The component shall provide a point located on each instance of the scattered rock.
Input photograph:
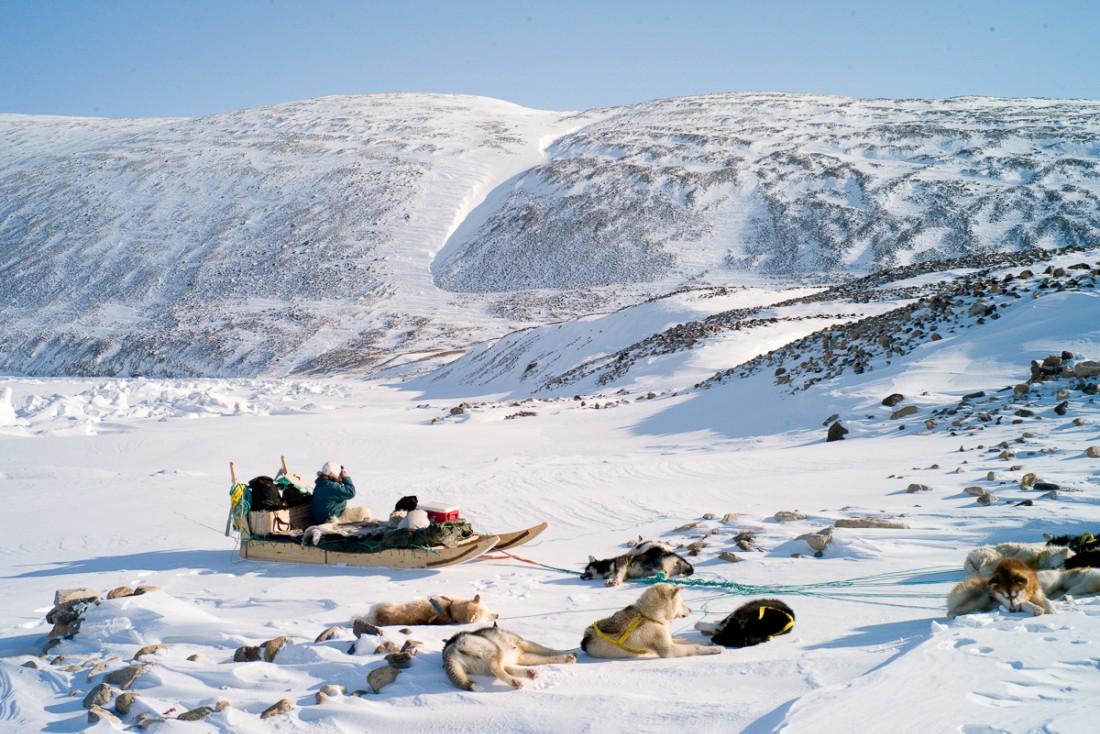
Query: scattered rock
(729, 517)
(975, 491)
(1093, 452)
(101, 666)
(914, 488)
(836, 433)
(904, 412)
(817, 541)
(272, 648)
(194, 658)
(362, 627)
(991, 476)
(222, 704)
(787, 516)
(729, 557)
(1045, 487)
(69, 597)
(891, 400)
(1022, 389)
(100, 695)
(98, 713)
(247, 654)
(1028, 480)
(871, 522)
(276, 709)
(119, 592)
(1062, 407)
(1025, 503)
(401, 660)
(328, 634)
(125, 677)
(198, 714)
(1086, 368)
(149, 650)
(145, 720)
(386, 647)
(684, 528)
(381, 677)
(125, 702)
(987, 499)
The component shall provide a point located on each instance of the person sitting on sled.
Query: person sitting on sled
(331, 493)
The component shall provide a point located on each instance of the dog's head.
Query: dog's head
(663, 603)
(680, 567)
(1013, 583)
(471, 611)
(598, 569)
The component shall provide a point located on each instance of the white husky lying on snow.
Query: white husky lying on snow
(982, 560)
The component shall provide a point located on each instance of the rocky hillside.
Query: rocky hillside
(366, 234)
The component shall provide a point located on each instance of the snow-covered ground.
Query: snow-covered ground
(125, 482)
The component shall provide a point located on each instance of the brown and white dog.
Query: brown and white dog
(1012, 584)
(432, 610)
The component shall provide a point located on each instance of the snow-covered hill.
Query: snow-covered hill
(368, 234)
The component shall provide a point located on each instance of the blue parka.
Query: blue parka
(330, 498)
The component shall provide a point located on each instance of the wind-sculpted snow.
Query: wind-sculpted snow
(352, 234)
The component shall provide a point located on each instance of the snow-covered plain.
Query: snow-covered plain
(125, 482)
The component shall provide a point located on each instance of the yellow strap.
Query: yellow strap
(619, 643)
(790, 620)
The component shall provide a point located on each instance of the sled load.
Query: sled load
(274, 524)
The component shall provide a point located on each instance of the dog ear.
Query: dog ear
(592, 559)
(477, 598)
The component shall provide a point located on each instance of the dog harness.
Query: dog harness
(786, 627)
(621, 642)
(440, 612)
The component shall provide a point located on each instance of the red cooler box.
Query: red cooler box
(439, 513)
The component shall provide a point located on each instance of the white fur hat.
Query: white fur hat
(331, 468)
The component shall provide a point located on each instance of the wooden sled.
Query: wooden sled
(280, 551)
(519, 537)
(257, 549)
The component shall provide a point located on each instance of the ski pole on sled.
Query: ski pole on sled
(229, 520)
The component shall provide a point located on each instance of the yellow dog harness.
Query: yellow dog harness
(787, 627)
(621, 642)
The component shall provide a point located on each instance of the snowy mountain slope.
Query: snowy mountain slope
(293, 237)
(362, 234)
(870, 646)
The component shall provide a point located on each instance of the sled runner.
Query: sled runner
(279, 536)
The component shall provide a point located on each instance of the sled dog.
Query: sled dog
(1012, 584)
(496, 652)
(750, 624)
(643, 561)
(432, 610)
(643, 628)
(982, 560)
(1085, 547)
(1069, 582)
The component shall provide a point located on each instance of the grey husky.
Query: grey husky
(643, 561)
(496, 652)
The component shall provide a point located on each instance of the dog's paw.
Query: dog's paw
(612, 582)
(516, 683)
(532, 673)
(713, 650)
(570, 659)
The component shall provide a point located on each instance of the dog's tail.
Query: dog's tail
(454, 668)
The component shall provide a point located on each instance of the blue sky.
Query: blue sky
(160, 58)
